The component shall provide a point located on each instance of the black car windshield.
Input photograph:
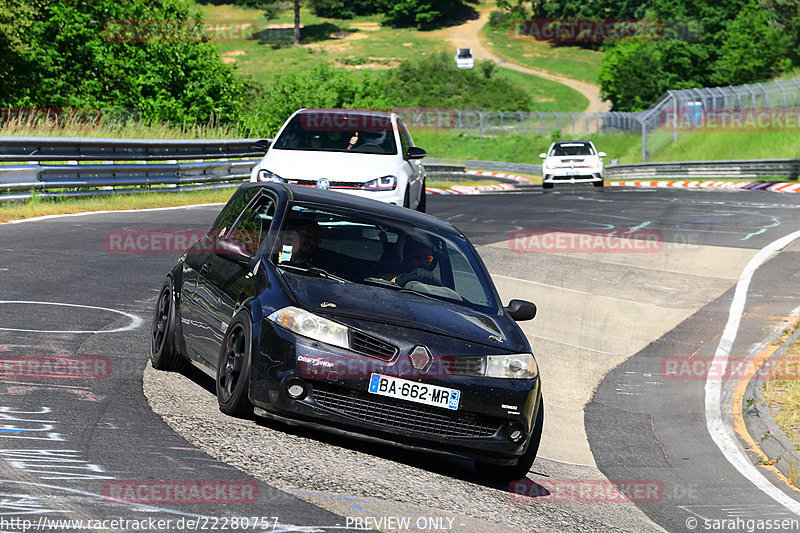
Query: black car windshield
(330, 131)
(340, 243)
(572, 149)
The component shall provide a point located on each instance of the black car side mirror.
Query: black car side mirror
(233, 251)
(262, 145)
(521, 310)
(415, 152)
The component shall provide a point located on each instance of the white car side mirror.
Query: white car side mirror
(542, 155)
(601, 154)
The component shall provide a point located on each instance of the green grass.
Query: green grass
(626, 147)
(547, 95)
(359, 43)
(39, 206)
(783, 396)
(570, 61)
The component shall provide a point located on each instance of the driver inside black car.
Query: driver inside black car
(418, 264)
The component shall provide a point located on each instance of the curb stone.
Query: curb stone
(758, 419)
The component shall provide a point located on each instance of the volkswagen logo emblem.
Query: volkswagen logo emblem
(323, 183)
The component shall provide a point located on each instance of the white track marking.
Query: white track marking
(721, 433)
(578, 291)
(135, 320)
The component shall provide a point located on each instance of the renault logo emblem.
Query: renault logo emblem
(420, 358)
(323, 183)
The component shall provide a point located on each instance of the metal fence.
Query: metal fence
(59, 166)
(771, 105)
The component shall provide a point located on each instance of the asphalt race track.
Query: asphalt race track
(86, 442)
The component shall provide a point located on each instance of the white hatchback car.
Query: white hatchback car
(572, 162)
(364, 153)
(464, 58)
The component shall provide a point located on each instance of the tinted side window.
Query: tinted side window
(405, 137)
(231, 211)
(254, 224)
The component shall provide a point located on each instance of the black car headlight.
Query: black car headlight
(268, 175)
(384, 183)
(312, 326)
(513, 366)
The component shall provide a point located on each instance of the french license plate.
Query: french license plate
(414, 391)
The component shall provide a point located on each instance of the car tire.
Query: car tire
(547, 185)
(598, 184)
(407, 197)
(423, 199)
(233, 369)
(523, 466)
(164, 354)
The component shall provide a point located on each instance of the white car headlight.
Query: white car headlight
(514, 366)
(312, 326)
(267, 175)
(384, 183)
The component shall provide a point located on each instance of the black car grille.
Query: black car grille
(369, 345)
(399, 414)
(465, 366)
(334, 184)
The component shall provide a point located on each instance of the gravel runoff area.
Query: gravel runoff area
(356, 479)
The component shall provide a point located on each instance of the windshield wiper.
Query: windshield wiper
(319, 272)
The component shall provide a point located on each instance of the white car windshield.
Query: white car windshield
(357, 133)
(572, 149)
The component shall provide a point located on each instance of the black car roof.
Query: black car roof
(300, 193)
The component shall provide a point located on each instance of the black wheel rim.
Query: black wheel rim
(161, 321)
(232, 363)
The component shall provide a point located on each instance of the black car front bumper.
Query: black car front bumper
(336, 400)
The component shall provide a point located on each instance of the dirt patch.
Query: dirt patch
(349, 35)
(366, 26)
(230, 57)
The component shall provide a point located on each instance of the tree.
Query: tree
(141, 54)
(272, 8)
(752, 50)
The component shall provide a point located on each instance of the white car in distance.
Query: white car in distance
(464, 58)
(364, 153)
(572, 162)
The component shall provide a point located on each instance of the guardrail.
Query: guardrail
(757, 168)
(62, 166)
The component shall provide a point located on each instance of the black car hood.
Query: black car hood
(403, 308)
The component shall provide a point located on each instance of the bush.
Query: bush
(78, 55)
(435, 81)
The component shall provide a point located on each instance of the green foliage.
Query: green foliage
(344, 9)
(705, 43)
(434, 81)
(426, 14)
(635, 74)
(323, 86)
(752, 50)
(82, 55)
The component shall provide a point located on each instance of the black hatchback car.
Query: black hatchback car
(357, 317)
